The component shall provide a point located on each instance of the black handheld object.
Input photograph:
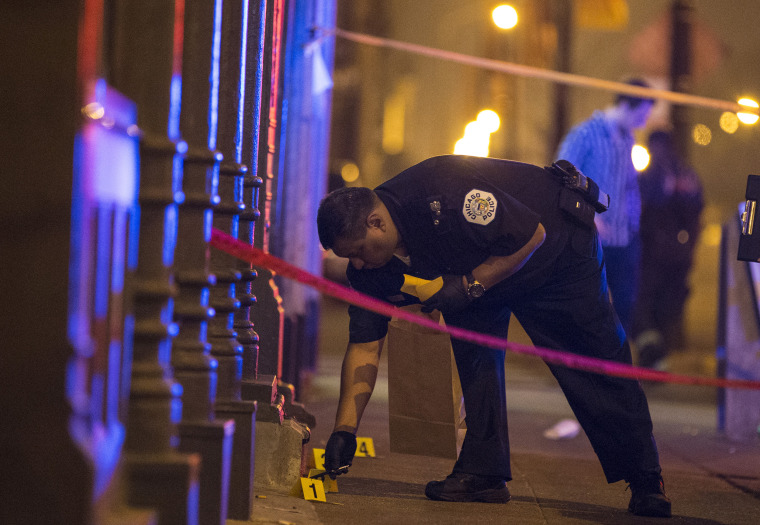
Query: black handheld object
(749, 241)
(452, 297)
(332, 473)
(339, 453)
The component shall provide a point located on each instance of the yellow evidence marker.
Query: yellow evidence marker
(318, 457)
(310, 489)
(331, 485)
(365, 448)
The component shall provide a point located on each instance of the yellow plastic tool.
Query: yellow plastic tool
(421, 288)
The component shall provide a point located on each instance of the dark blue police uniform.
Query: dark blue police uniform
(453, 212)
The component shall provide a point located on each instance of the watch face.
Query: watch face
(476, 290)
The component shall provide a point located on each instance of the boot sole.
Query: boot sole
(659, 509)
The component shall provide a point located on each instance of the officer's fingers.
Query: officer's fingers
(347, 456)
(332, 460)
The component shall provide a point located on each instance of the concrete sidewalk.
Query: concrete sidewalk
(709, 479)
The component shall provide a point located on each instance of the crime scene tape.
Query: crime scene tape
(248, 253)
(536, 72)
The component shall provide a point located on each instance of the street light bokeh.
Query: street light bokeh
(504, 16)
(701, 134)
(748, 118)
(640, 157)
(477, 134)
(349, 172)
(729, 122)
(489, 119)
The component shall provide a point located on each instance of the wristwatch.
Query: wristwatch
(475, 289)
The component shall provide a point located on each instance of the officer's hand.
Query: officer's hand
(452, 297)
(339, 452)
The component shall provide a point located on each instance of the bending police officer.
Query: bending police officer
(496, 232)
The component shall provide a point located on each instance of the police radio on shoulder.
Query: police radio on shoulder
(574, 179)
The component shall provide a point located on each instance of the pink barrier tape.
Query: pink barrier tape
(241, 250)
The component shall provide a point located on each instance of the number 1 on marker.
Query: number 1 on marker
(313, 489)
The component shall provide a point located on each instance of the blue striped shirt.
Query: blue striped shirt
(602, 150)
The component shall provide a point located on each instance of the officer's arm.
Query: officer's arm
(497, 268)
(357, 381)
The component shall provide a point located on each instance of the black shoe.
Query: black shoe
(648, 497)
(468, 487)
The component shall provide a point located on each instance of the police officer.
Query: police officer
(496, 232)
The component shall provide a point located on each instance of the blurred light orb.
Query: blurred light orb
(475, 128)
(701, 134)
(349, 172)
(461, 147)
(94, 111)
(640, 157)
(477, 131)
(470, 146)
(489, 119)
(729, 122)
(504, 16)
(748, 118)
(477, 135)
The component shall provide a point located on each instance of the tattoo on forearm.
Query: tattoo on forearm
(361, 386)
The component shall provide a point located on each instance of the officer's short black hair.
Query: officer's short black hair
(342, 214)
(631, 100)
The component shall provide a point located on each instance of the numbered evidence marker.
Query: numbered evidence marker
(310, 489)
(365, 447)
(331, 485)
(318, 458)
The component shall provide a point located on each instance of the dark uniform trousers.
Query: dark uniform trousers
(571, 312)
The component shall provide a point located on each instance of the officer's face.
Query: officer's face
(373, 251)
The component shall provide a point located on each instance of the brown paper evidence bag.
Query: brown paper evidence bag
(425, 406)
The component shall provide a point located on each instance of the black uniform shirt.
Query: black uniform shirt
(453, 212)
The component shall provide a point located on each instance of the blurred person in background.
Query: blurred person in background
(600, 147)
(671, 205)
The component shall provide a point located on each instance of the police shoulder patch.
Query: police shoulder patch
(479, 207)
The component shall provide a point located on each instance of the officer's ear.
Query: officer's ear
(376, 220)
